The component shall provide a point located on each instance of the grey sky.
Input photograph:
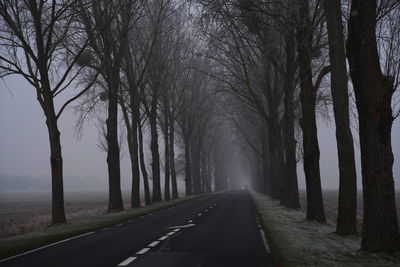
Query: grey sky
(24, 147)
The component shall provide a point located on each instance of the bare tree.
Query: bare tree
(304, 36)
(347, 210)
(373, 92)
(33, 37)
(108, 51)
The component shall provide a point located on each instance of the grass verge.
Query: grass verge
(19, 244)
(297, 242)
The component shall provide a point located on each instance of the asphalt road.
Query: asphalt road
(214, 230)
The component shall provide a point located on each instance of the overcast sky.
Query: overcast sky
(24, 146)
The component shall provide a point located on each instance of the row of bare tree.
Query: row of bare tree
(273, 62)
(135, 67)
(203, 75)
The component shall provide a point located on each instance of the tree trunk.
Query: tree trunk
(154, 152)
(258, 173)
(220, 177)
(56, 162)
(135, 194)
(347, 211)
(188, 174)
(274, 168)
(196, 166)
(114, 174)
(373, 93)
(172, 159)
(276, 145)
(203, 161)
(167, 158)
(208, 175)
(267, 170)
(135, 198)
(290, 197)
(147, 197)
(315, 206)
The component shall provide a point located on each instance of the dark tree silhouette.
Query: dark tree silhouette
(373, 92)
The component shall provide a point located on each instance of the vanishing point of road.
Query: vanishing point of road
(215, 230)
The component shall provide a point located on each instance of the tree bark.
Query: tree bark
(273, 175)
(373, 93)
(135, 194)
(114, 176)
(196, 149)
(172, 159)
(167, 158)
(56, 162)
(188, 174)
(147, 197)
(208, 188)
(347, 211)
(315, 206)
(154, 152)
(290, 192)
(203, 161)
(267, 169)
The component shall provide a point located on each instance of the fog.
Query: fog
(25, 148)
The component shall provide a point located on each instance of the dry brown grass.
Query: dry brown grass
(26, 212)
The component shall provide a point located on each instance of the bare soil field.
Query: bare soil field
(22, 212)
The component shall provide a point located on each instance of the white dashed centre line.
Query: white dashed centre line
(153, 244)
(199, 214)
(176, 230)
(190, 221)
(142, 251)
(163, 237)
(127, 261)
(171, 233)
(206, 210)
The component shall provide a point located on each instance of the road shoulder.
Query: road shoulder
(297, 242)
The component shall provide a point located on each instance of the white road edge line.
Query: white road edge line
(153, 244)
(190, 221)
(264, 240)
(127, 261)
(142, 251)
(46, 246)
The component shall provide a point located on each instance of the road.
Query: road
(214, 230)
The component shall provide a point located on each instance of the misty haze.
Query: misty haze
(199, 133)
